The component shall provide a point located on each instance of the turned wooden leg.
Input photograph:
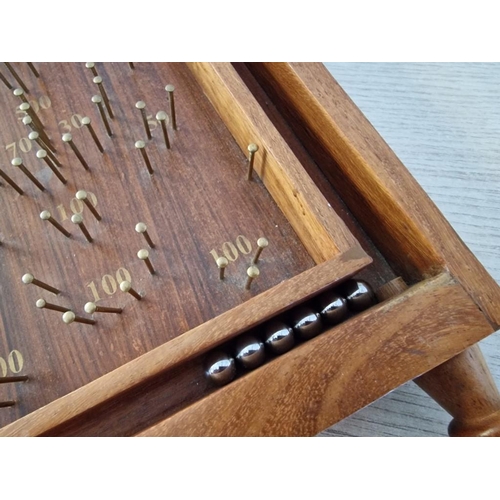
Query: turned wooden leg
(464, 387)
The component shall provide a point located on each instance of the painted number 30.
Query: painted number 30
(14, 363)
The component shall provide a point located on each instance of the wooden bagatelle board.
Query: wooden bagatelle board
(144, 368)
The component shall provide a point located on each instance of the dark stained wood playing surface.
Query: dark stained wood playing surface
(196, 200)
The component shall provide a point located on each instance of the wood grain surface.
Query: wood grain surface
(443, 121)
(197, 199)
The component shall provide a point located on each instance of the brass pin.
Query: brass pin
(222, 263)
(91, 308)
(126, 286)
(46, 215)
(142, 228)
(261, 244)
(20, 93)
(91, 66)
(28, 279)
(97, 99)
(16, 77)
(35, 136)
(5, 404)
(31, 113)
(140, 145)
(18, 378)
(102, 90)
(78, 220)
(45, 138)
(6, 82)
(141, 105)
(7, 179)
(70, 317)
(144, 255)
(252, 273)
(33, 69)
(42, 154)
(161, 116)
(68, 138)
(18, 162)
(87, 123)
(82, 195)
(170, 89)
(252, 149)
(131, 65)
(42, 304)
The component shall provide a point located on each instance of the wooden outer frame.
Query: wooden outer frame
(342, 370)
(322, 232)
(388, 202)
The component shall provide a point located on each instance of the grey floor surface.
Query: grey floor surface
(443, 121)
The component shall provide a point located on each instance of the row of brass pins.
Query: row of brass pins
(69, 316)
(76, 218)
(253, 270)
(143, 254)
(97, 79)
(161, 117)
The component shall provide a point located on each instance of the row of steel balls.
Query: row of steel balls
(277, 337)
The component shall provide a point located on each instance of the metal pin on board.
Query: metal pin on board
(33, 69)
(68, 138)
(28, 279)
(97, 99)
(70, 317)
(83, 196)
(126, 286)
(261, 244)
(9, 380)
(91, 308)
(42, 304)
(252, 273)
(42, 154)
(143, 254)
(78, 220)
(170, 89)
(140, 227)
(46, 215)
(16, 77)
(18, 162)
(141, 106)
(252, 149)
(161, 117)
(222, 263)
(102, 90)
(141, 145)
(20, 93)
(86, 121)
(91, 66)
(7, 179)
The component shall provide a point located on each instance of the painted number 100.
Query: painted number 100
(232, 250)
(109, 284)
